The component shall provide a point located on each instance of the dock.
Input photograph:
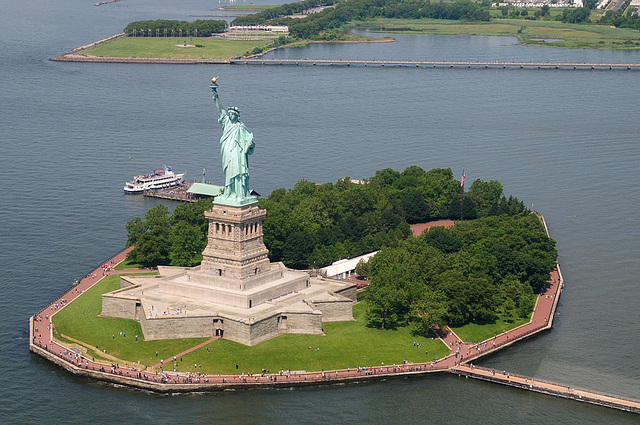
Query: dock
(546, 387)
(174, 193)
(439, 64)
(100, 3)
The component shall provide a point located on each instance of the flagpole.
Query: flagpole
(462, 198)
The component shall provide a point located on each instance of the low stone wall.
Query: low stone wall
(304, 323)
(154, 383)
(119, 307)
(338, 310)
(173, 327)
(349, 292)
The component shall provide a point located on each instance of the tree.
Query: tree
(136, 227)
(414, 206)
(443, 240)
(297, 249)
(157, 216)
(429, 312)
(386, 299)
(485, 195)
(463, 274)
(576, 16)
(152, 248)
(187, 244)
(151, 237)
(545, 10)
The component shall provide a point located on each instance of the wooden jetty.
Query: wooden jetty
(438, 64)
(100, 3)
(174, 193)
(545, 387)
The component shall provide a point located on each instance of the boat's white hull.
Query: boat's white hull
(133, 188)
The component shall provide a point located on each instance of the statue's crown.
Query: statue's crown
(234, 109)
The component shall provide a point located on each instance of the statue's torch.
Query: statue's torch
(214, 84)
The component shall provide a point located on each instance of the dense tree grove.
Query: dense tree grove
(575, 16)
(314, 225)
(491, 263)
(620, 19)
(471, 272)
(197, 28)
(344, 12)
(176, 240)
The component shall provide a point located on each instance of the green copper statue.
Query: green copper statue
(236, 144)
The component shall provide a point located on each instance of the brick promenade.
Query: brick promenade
(41, 342)
(461, 353)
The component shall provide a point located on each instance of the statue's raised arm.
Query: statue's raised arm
(236, 144)
(216, 98)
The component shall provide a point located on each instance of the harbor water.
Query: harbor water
(563, 141)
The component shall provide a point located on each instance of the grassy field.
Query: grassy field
(80, 321)
(345, 344)
(568, 35)
(170, 47)
(476, 333)
(126, 265)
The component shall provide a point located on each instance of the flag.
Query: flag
(462, 179)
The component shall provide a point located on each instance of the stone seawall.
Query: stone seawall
(42, 343)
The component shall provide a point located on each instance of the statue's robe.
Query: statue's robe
(236, 143)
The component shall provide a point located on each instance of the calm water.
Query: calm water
(566, 142)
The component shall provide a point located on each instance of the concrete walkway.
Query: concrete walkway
(209, 341)
(42, 342)
(545, 387)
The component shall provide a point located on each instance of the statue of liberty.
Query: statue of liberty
(236, 144)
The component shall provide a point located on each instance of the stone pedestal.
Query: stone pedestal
(235, 247)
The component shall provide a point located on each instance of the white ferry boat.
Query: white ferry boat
(156, 180)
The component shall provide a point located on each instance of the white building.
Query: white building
(343, 269)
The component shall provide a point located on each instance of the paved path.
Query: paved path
(460, 352)
(458, 361)
(209, 341)
(433, 63)
(419, 228)
(546, 387)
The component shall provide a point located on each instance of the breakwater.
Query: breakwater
(439, 64)
(74, 56)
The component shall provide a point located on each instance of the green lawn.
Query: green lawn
(570, 35)
(79, 320)
(126, 265)
(476, 333)
(345, 344)
(169, 47)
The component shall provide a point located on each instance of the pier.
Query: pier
(546, 387)
(100, 3)
(173, 193)
(75, 56)
(439, 64)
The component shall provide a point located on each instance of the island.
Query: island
(601, 25)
